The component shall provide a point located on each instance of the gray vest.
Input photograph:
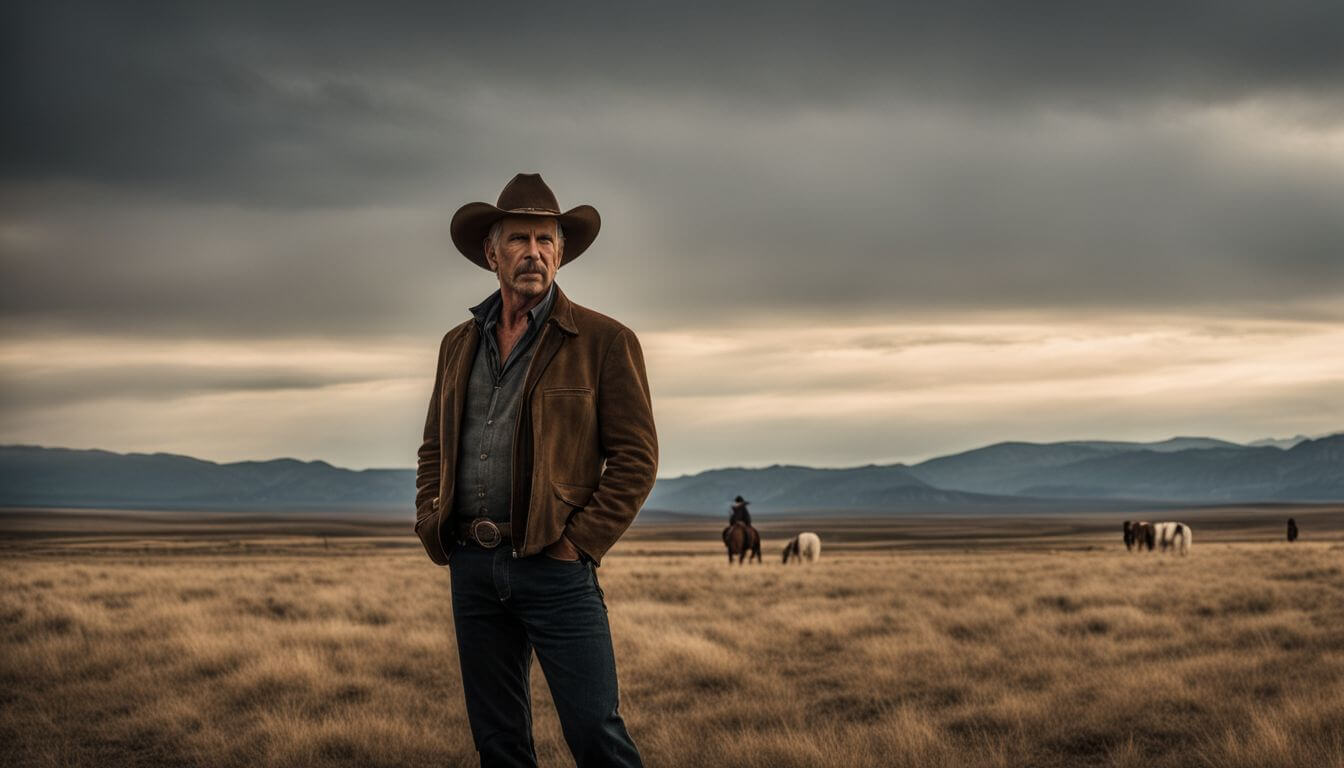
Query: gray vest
(490, 414)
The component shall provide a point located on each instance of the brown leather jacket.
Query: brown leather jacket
(585, 450)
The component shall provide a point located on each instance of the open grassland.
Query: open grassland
(933, 643)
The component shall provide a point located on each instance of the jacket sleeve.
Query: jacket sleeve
(629, 444)
(427, 465)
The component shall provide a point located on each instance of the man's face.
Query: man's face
(528, 255)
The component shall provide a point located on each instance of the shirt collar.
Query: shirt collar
(487, 312)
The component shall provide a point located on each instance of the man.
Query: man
(539, 449)
(739, 512)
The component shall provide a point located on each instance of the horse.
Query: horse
(1292, 529)
(806, 546)
(1173, 536)
(740, 539)
(1139, 535)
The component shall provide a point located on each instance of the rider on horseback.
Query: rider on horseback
(751, 540)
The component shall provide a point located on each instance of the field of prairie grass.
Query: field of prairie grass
(941, 649)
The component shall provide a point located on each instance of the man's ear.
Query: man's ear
(489, 255)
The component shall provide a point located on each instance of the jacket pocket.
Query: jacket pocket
(574, 495)
(573, 391)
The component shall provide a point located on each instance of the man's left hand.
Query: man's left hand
(562, 549)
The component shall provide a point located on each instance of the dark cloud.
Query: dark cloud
(86, 260)
(938, 215)
(38, 388)
(256, 170)
(320, 103)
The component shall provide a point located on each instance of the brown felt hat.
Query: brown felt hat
(525, 195)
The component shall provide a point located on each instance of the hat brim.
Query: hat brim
(471, 224)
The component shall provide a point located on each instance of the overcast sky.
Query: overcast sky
(855, 234)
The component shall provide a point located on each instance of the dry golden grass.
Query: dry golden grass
(276, 652)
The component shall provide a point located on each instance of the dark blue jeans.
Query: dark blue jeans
(504, 608)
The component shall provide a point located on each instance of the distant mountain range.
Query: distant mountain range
(1182, 469)
(36, 476)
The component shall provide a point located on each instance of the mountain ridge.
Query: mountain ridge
(1183, 468)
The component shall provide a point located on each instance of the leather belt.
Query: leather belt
(484, 532)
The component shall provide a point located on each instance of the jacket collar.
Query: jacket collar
(561, 311)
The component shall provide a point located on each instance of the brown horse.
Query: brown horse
(741, 538)
(1140, 535)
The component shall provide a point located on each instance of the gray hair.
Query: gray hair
(497, 231)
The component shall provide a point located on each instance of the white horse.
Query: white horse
(1173, 535)
(805, 547)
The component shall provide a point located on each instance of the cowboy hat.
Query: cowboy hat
(525, 195)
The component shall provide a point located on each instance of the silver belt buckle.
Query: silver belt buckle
(485, 532)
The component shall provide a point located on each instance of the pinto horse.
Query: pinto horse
(805, 547)
(1165, 536)
(1173, 536)
(740, 539)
